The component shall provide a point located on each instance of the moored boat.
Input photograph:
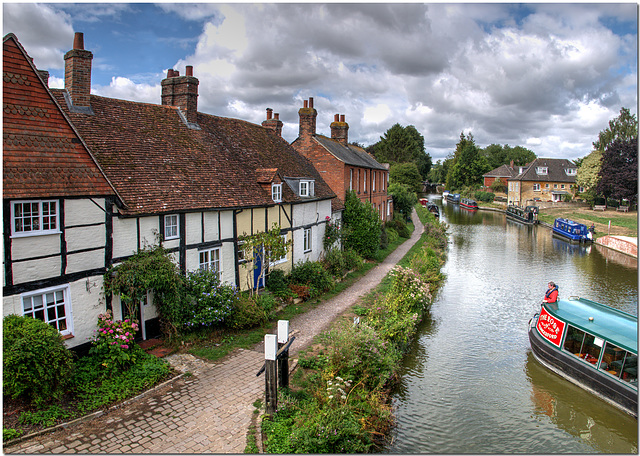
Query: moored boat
(468, 203)
(527, 215)
(424, 202)
(571, 230)
(453, 198)
(592, 345)
(433, 209)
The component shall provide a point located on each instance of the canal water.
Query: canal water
(470, 384)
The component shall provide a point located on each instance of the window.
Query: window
(307, 240)
(583, 345)
(620, 363)
(283, 258)
(210, 260)
(546, 185)
(571, 171)
(30, 218)
(542, 170)
(388, 208)
(351, 179)
(364, 181)
(171, 226)
(276, 192)
(555, 185)
(241, 255)
(51, 306)
(562, 186)
(536, 187)
(373, 180)
(312, 188)
(307, 188)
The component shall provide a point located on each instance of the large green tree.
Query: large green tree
(402, 145)
(498, 155)
(468, 164)
(624, 127)
(406, 174)
(619, 171)
(588, 172)
(362, 226)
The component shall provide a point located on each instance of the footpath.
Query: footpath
(209, 408)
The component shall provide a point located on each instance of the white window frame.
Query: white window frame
(170, 235)
(571, 171)
(276, 193)
(209, 262)
(388, 208)
(350, 178)
(364, 181)
(307, 243)
(536, 187)
(66, 300)
(282, 259)
(304, 188)
(40, 217)
(542, 170)
(241, 253)
(312, 188)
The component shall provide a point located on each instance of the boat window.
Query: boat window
(582, 345)
(620, 363)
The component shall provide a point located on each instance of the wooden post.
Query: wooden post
(270, 374)
(283, 361)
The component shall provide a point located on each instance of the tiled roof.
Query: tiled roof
(158, 164)
(556, 171)
(42, 154)
(349, 154)
(502, 171)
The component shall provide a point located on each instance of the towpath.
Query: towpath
(210, 409)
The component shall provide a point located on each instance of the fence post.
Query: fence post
(283, 360)
(270, 374)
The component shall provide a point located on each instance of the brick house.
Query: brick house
(142, 174)
(342, 165)
(545, 179)
(503, 172)
(57, 207)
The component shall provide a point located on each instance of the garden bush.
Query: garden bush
(339, 262)
(277, 283)
(362, 226)
(36, 364)
(208, 302)
(313, 274)
(400, 226)
(113, 343)
(485, 197)
(247, 313)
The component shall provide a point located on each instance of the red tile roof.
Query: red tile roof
(158, 164)
(42, 154)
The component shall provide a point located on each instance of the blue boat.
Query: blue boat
(592, 345)
(571, 230)
(453, 198)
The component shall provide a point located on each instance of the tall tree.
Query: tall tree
(623, 127)
(619, 171)
(589, 170)
(406, 174)
(396, 146)
(423, 161)
(503, 155)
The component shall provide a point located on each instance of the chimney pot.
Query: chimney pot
(78, 40)
(342, 118)
(269, 112)
(276, 116)
(305, 104)
(311, 102)
(189, 70)
(336, 117)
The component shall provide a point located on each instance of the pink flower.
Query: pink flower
(111, 331)
(124, 346)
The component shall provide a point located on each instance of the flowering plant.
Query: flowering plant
(332, 233)
(410, 290)
(113, 342)
(209, 302)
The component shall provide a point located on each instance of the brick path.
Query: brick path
(209, 411)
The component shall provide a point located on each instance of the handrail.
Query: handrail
(283, 349)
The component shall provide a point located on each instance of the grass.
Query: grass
(622, 223)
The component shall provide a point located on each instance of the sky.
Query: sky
(544, 76)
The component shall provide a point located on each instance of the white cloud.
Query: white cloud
(124, 88)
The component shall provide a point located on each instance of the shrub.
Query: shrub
(362, 226)
(384, 238)
(332, 234)
(427, 263)
(409, 291)
(485, 197)
(393, 326)
(208, 302)
(113, 343)
(267, 302)
(404, 198)
(392, 234)
(36, 364)
(338, 262)
(400, 226)
(352, 260)
(313, 274)
(277, 282)
(246, 313)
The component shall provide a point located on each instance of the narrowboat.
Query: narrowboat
(433, 209)
(468, 203)
(592, 345)
(453, 198)
(424, 202)
(528, 215)
(571, 230)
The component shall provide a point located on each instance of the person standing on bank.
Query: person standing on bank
(552, 293)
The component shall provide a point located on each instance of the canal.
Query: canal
(470, 383)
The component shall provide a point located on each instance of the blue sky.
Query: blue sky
(545, 76)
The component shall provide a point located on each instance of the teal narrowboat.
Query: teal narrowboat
(592, 345)
(528, 215)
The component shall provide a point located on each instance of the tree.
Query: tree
(498, 155)
(362, 226)
(623, 127)
(268, 245)
(438, 173)
(407, 174)
(403, 199)
(469, 164)
(589, 173)
(619, 171)
(423, 160)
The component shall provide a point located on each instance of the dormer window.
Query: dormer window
(542, 170)
(307, 188)
(276, 193)
(571, 171)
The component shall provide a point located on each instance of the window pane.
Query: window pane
(27, 306)
(51, 314)
(630, 369)
(37, 302)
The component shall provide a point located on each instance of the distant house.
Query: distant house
(192, 181)
(342, 165)
(58, 207)
(545, 179)
(503, 172)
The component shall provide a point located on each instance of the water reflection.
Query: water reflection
(469, 384)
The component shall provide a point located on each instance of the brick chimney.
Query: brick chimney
(340, 129)
(274, 124)
(77, 72)
(182, 92)
(307, 120)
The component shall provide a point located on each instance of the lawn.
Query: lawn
(622, 223)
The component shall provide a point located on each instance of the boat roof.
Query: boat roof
(569, 222)
(616, 326)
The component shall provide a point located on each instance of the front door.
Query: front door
(258, 275)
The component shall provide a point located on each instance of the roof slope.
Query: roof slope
(349, 154)
(556, 171)
(158, 164)
(502, 171)
(43, 156)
